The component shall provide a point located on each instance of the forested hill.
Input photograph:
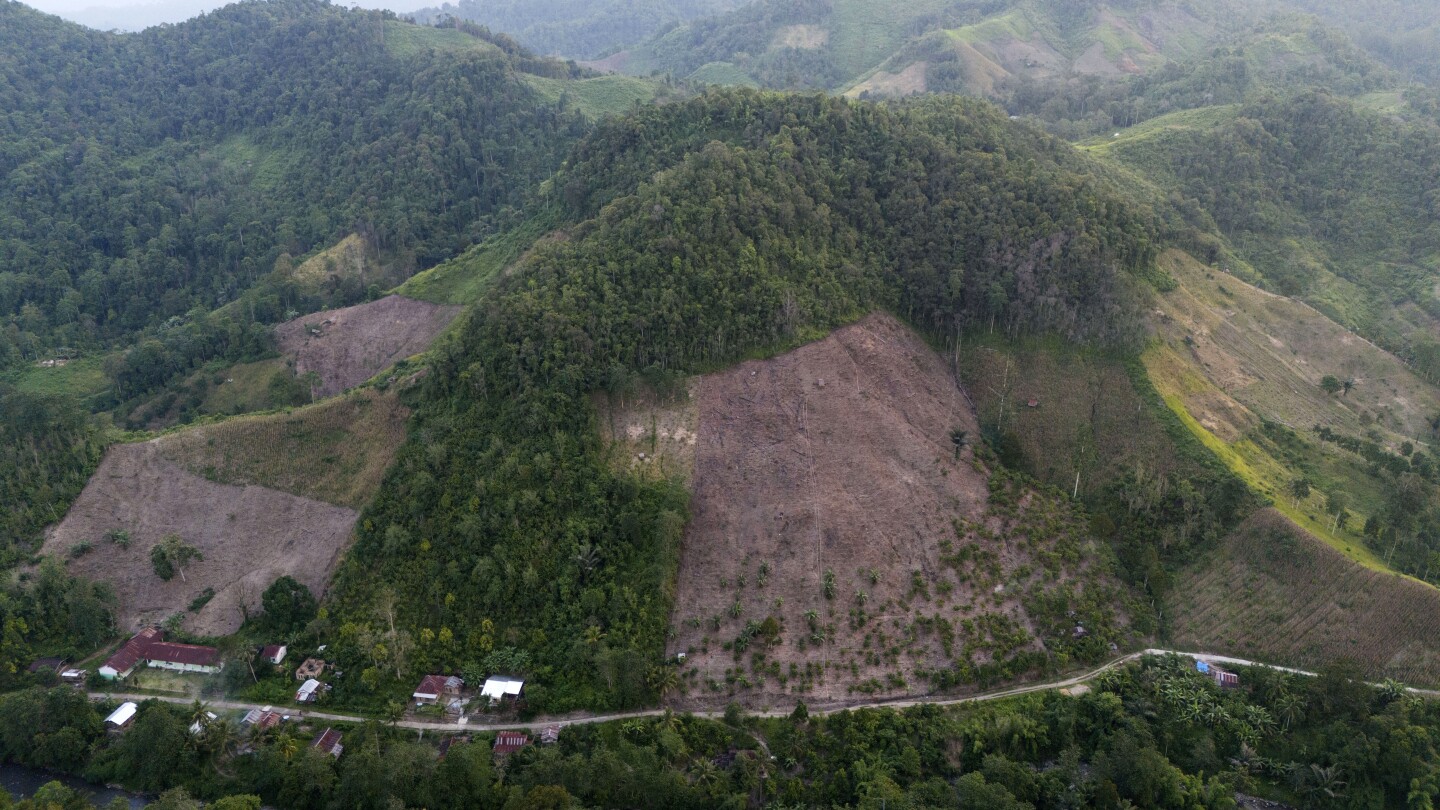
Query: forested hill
(155, 189)
(735, 224)
(145, 175)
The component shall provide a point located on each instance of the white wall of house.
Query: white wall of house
(184, 667)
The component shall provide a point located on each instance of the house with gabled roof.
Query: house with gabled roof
(329, 742)
(433, 687)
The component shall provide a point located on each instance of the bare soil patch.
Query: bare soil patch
(828, 502)
(907, 82)
(346, 347)
(1274, 592)
(801, 37)
(1269, 353)
(249, 535)
(614, 63)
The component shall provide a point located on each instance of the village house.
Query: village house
(499, 687)
(273, 653)
(130, 655)
(433, 687)
(121, 717)
(149, 647)
(1221, 677)
(329, 742)
(199, 726)
(263, 718)
(508, 742)
(309, 691)
(550, 735)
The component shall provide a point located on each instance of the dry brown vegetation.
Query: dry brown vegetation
(1269, 353)
(346, 347)
(838, 547)
(249, 536)
(1087, 417)
(1275, 593)
(906, 82)
(336, 451)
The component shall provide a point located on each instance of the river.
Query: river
(22, 782)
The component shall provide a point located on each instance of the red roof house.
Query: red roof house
(508, 742)
(125, 659)
(433, 686)
(329, 742)
(183, 657)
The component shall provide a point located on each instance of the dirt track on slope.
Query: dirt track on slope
(249, 535)
(346, 347)
(834, 457)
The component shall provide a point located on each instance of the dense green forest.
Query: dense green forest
(1153, 734)
(573, 28)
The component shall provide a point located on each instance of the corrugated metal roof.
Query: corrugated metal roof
(122, 715)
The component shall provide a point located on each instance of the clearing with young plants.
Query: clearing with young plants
(846, 542)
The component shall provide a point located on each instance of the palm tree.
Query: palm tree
(221, 738)
(664, 680)
(287, 746)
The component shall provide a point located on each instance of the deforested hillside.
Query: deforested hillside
(732, 225)
(259, 497)
(1276, 593)
(1324, 199)
(168, 196)
(841, 544)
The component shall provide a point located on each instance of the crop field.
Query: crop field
(80, 378)
(1275, 593)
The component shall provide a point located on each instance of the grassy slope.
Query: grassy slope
(595, 97)
(1277, 594)
(80, 378)
(1088, 416)
(404, 39)
(465, 278)
(336, 451)
(1254, 355)
(865, 32)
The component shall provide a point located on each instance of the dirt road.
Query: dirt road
(581, 719)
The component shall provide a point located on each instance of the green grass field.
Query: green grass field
(405, 40)
(243, 388)
(336, 451)
(463, 279)
(722, 73)
(80, 378)
(595, 97)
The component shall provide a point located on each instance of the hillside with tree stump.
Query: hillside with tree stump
(846, 542)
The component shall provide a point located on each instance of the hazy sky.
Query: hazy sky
(136, 14)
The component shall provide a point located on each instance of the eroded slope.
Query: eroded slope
(346, 347)
(248, 535)
(838, 545)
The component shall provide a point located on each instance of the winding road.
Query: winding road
(579, 719)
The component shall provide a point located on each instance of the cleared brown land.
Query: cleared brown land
(906, 82)
(346, 347)
(1269, 353)
(249, 535)
(336, 451)
(1275, 593)
(835, 462)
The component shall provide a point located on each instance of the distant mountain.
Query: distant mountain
(870, 46)
(576, 28)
